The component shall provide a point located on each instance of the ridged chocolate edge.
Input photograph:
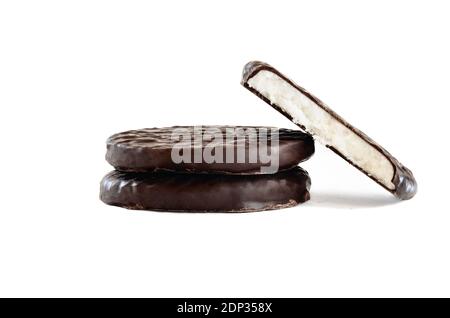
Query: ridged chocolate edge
(403, 179)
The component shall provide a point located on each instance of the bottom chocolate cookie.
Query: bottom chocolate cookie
(205, 192)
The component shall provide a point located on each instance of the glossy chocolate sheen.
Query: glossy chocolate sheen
(149, 149)
(205, 192)
(403, 179)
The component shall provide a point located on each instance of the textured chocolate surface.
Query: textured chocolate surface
(149, 149)
(205, 192)
(403, 179)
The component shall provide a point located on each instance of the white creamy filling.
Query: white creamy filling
(323, 126)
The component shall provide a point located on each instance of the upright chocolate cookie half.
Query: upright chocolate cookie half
(209, 149)
(205, 192)
(316, 118)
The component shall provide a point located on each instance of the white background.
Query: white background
(74, 72)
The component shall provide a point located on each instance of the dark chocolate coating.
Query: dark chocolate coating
(403, 179)
(149, 149)
(205, 192)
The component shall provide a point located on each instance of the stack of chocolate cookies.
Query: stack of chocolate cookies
(242, 169)
(207, 169)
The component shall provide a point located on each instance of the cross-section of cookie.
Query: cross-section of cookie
(317, 119)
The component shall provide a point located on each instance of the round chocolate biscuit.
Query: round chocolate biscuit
(209, 149)
(205, 192)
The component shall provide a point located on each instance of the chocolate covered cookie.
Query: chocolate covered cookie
(205, 192)
(209, 149)
(316, 118)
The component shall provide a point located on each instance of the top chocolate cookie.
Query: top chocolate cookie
(209, 149)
